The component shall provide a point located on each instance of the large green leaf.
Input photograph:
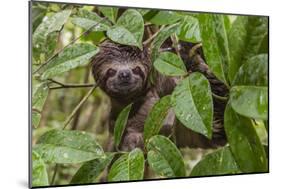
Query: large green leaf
(45, 36)
(215, 43)
(245, 40)
(76, 55)
(189, 30)
(161, 37)
(193, 104)
(170, 64)
(38, 13)
(164, 157)
(39, 171)
(220, 162)
(128, 30)
(120, 124)
(87, 19)
(165, 18)
(244, 142)
(91, 170)
(129, 166)
(156, 116)
(249, 96)
(250, 101)
(65, 146)
(109, 12)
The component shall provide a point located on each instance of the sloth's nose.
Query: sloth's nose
(124, 75)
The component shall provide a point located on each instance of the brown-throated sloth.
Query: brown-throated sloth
(122, 72)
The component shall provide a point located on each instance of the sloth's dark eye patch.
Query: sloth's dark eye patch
(137, 70)
(110, 72)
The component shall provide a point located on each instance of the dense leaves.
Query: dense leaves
(244, 142)
(129, 166)
(76, 55)
(157, 115)
(91, 170)
(217, 163)
(193, 104)
(129, 29)
(120, 124)
(39, 171)
(215, 44)
(110, 13)
(62, 146)
(170, 64)
(164, 157)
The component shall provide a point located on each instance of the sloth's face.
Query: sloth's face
(122, 79)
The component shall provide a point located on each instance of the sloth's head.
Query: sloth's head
(121, 70)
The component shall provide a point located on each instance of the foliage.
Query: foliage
(64, 40)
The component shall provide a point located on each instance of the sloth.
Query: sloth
(122, 72)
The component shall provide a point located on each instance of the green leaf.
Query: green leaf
(129, 166)
(120, 124)
(109, 12)
(36, 116)
(164, 157)
(128, 30)
(250, 101)
(76, 55)
(245, 40)
(193, 104)
(91, 170)
(189, 30)
(65, 146)
(170, 64)
(38, 13)
(39, 171)
(87, 19)
(161, 37)
(254, 72)
(156, 116)
(215, 44)
(244, 142)
(220, 162)
(47, 32)
(249, 96)
(165, 18)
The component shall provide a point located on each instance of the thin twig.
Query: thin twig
(149, 40)
(223, 98)
(68, 85)
(73, 41)
(55, 173)
(193, 49)
(176, 44)
(70, 117)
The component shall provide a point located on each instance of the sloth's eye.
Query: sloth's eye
(137, 70)
(110, 72)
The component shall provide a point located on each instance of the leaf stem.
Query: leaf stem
(222, 98)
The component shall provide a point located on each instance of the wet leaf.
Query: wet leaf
(193, 104)
(245, 40)
(120, 124)
(128, 30)
(39, 171)
(215, 44)
(44, 38)
(249, 96)
(91, 170)
(165, 18)
(109, 12)
(220, 162)
(76, 55)
(161, 37)
(170, 64)
(156, 116)
(87, 19)
(67, 146)
(244, 142)
(164, 157)
(129, 166)
(250, 101)
(189, 30)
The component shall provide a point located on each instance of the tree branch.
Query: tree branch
(73, 41)
(149, 40)
(67, 86)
